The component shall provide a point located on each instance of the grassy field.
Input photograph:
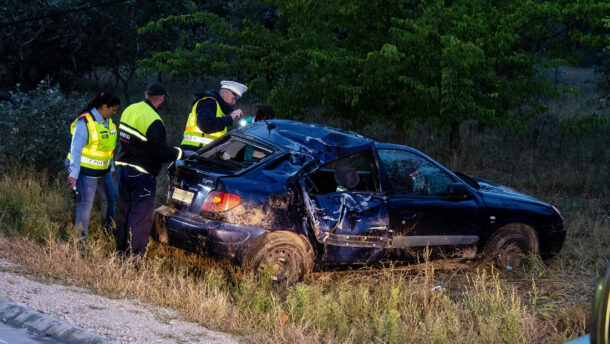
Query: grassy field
(542, 302)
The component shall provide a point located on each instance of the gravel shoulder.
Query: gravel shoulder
(120, 320)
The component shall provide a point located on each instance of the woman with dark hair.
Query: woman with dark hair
(90, 158)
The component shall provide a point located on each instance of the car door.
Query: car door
(348, 212)
(422, 210)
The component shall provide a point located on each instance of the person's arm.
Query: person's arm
(79, 141)
(157, 143)
(207, 120)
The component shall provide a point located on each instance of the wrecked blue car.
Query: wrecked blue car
(295, 197)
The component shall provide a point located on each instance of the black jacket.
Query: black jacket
(206, 113)
(147, 154)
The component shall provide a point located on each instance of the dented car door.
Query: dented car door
(348, 211)
(353, 226)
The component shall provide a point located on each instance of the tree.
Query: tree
(67, 41)
(435, 61)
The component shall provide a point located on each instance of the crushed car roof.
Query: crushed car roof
(325, 143)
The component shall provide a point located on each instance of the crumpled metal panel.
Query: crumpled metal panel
(351, 213)
(346, 213)
(324, 143)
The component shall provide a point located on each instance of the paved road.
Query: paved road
(13, 334)
(21, 325)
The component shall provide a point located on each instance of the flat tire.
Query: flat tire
(510, 244)
(286, 255)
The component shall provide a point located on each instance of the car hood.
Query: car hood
(492, 192)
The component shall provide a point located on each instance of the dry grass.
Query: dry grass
(545, 302)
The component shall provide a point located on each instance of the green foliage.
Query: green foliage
(584, 125)
(69, 40)
(35, 126)
(403, 62)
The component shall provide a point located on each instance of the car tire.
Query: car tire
(510, 243)
(287, 256)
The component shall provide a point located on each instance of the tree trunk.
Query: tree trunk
(399, 133)
(126, 94)
(454, 137)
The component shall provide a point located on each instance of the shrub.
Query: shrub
(35, 126)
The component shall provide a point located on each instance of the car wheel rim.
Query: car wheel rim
(280, 263)
(510, 256)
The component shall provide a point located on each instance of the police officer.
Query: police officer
(208, 120)
(89, 160)
(142, 149)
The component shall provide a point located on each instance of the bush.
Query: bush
(35, 126)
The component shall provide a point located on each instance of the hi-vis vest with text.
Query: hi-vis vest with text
(193, 136)
(99, 150)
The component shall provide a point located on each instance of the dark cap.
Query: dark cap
(156, 89)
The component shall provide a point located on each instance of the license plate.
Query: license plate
(183, 196)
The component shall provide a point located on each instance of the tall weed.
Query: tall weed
(542, 302)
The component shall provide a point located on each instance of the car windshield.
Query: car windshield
(234, 154)
(468, 180)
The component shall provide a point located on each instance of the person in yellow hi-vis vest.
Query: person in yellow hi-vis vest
(142, 150)
(211, 114)
(92, 146)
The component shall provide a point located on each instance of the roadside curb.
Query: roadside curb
(16, 314)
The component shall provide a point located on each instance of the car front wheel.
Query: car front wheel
(510, 244)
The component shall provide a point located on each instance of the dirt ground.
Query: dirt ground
(121, 320)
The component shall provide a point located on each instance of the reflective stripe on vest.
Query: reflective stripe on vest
(118, 163)
(133, 132)
(193, 136)
(99, 150)
(202, 140)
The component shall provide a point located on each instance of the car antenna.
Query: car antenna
(270, 126)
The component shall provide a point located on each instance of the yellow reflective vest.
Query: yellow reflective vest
(99, 150)
(195, 137)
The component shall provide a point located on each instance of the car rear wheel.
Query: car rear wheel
(510, 244)
(286, 255)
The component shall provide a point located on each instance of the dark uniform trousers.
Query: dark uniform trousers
(136, 208)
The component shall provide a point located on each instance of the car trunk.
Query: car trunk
(190, 184)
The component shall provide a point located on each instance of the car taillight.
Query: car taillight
(220, 201)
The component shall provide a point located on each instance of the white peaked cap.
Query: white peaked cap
(234, 87)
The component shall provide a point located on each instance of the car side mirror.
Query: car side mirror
(459, 192)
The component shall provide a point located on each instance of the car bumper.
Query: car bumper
(552, 241)
(196, 234)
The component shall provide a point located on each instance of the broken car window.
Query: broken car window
(353, 173)
(237, 151)
(412, 174)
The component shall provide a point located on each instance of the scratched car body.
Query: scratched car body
(295, 197)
